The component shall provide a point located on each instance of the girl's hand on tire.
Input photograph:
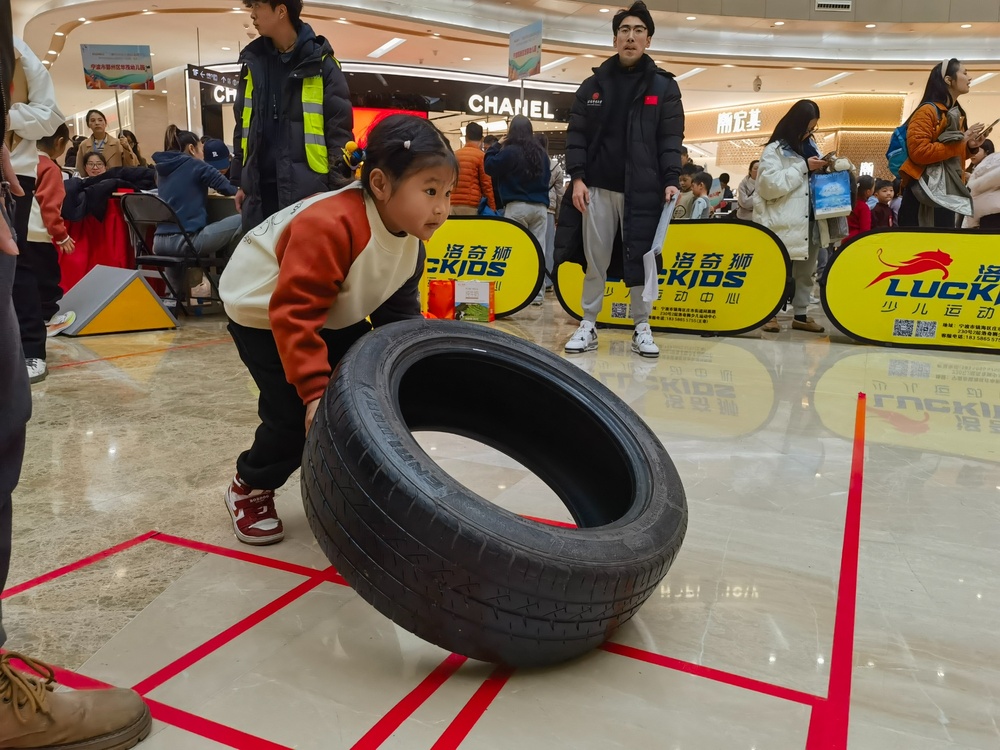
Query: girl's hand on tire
(310, 413)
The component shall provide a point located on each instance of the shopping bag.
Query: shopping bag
(832, 194)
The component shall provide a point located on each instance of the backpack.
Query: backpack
(897, 153)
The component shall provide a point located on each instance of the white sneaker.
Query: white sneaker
(584, 340)
(59, 323)
(37, 369)
(642, 341)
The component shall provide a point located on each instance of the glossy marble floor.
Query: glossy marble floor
(263, 649)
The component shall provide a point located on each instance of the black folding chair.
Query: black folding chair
(143, 211)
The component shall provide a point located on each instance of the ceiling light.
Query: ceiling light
(832, 79)
(81, 19)
(235, 8)
(59, 33)
(869, 26)
(727, 65)
(46, 62)
(983, 77)
(87, 23)
(692, 18)
(152, 54)
(779, 23)
(798, 68)
(436, 34)
(163, 91)
(966, 25)
(53, 52)
(226, 49)
(556, 63)
(390, 45)
(605, 10)
(467, 59)
(689, 74)
(590, 56)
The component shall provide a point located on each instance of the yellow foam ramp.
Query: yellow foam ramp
(115, 300)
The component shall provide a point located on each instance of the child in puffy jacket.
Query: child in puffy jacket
(860, 220)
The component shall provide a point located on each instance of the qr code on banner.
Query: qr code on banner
(926, 329)
(620, 310)
(903, 328)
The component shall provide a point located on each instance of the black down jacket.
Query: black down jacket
(311, 56)
(654, 138)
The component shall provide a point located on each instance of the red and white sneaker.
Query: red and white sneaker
(255, 520)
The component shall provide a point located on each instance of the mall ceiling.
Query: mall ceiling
(720, 50)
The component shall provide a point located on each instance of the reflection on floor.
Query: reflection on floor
(267, 649)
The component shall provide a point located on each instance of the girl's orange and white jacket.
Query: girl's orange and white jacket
(45, 222)
(324, 262)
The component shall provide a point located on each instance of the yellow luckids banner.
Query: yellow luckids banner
(937, 404)
(718, 277)
(918, 288)
(486, 249)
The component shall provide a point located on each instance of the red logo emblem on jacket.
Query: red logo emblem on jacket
(652, 101)
(932, 260)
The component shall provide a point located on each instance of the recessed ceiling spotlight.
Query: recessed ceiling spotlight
(436, 34)
(226, 49)
(87, 23)
(869, 26)
(779, 23)
(59, 33)
(46, 62)
(966, 25)
(81, 19)
(163, 91)
(692, 18)
(727, 65)
(53, 52)
(605, 10)
(798, 68)
(467, 59)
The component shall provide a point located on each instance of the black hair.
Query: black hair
(865, 183)
(882, 184)
(402, 144)
(133, 141)
(936, 89)
(294, 8)
(532, 158)
(98, 154)
(473, 132)
(988, 147)
(754, 163)
(793, 126)
(489, 140)
(543, 141)
(704, 179)
(49, 141)
(176, 139)
(640, 11)
(90, 112)
(691, 170)
(724, 178)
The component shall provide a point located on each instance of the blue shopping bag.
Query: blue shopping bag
(832, 194)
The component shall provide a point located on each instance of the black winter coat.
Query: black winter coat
(311, 56)
(654, 138)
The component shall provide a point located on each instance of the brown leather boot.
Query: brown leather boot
(807, 325)
(32, 716)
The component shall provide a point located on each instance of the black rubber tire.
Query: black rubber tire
(448, 565)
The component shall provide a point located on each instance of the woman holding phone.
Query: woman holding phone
(928, 141)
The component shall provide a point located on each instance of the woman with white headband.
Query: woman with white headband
(938, 141)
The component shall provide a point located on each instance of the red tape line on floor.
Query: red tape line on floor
(403, 710)
(715, 675)
(236, 554)
(828, 725)
(175, 668)
(72, 567)
(209, 729)
(473, 711)
(140, 354)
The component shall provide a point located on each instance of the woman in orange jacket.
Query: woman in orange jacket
(946, 83)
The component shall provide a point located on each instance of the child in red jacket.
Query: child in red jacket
(860, 220)
(36, 280)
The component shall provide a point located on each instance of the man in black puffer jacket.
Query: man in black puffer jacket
(293, 114)
(623, 151)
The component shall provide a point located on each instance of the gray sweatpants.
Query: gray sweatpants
(802, 272)
(600, 223)
(532, 216)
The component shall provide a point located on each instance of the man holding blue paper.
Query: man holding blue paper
(623, 152)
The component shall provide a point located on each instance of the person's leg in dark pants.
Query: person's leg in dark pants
(909, 212)
(11, 456)
(22, 210)
(28, 304)
(49, 275)
(990, 221)
(278, 442)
